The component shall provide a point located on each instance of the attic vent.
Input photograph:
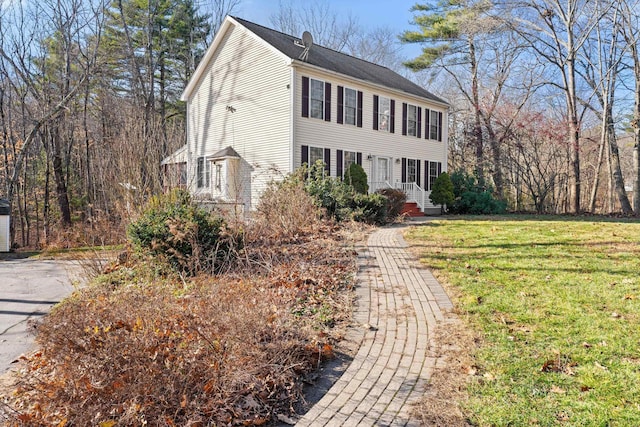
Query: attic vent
(307, 42)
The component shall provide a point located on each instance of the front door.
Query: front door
(383, 170)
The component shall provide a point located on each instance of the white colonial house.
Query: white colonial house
(261, 103)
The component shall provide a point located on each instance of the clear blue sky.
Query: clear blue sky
(395, 15)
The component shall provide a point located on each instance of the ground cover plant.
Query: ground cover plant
(146, 344)
(555, 307)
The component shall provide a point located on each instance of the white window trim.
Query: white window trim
(412, 164)
(345, 164)
(434, 125)
(309, 162)
(355, 107)
(311, 98)
(414, 121)
(382, 115)
(203, 176)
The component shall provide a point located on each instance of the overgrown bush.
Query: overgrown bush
(356, 177)
(395, 201)
(340, 200)
(286, 210)
(442, 191)
(175, 229)
(473, 196)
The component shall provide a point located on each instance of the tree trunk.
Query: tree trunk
(477, 124)
(59, 176)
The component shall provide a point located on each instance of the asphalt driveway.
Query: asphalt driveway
(28, 290)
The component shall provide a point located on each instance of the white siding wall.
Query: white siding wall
(248, 76)
(4, 233)
(319, 133)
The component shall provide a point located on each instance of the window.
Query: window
(412, 170)
(344, 160)
(348, 159)
(310, 155)
(203, 172)
(350, 106)
(412, 120)
(384, 113)
(317, 99)
(315, 154)
(434, 168)
(435, 125)
(218, 176)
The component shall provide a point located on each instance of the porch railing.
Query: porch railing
(414, 192)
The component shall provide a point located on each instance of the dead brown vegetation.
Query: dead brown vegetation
(143, 347)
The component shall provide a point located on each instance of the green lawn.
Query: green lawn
(557, 303)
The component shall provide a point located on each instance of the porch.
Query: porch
(417, 198)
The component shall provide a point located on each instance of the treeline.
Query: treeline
(545, 99)
(545, 95)
(89, 106)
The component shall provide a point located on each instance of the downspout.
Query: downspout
(292, 118)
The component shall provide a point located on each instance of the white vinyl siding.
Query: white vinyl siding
(373, 144)
(242, 100)
(4, 233)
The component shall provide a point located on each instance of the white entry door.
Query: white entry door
(383, 170)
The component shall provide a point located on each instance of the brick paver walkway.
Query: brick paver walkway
(398, 303)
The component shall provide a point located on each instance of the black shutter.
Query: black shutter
(427, 117)
(427, 184)
(392, 116)
(439, 168)
(404, 169)
(419, 125)
(439, 126)
(327, 102)
(340, 112)
(305, 155)
(327, 161)
(375, 112)
(359, 158)
(359, 117)
(404, 118)
(305, 96)
(339, 171)
(418, 172)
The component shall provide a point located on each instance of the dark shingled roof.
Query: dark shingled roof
(338, 62)
(224, 153)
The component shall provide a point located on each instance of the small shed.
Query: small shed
(5, 236)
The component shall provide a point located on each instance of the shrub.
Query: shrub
(340, 200)
(473, 196)
(369, 208)
(479, 203)
(442, 191)
(357, 178)
(395, 201)
(186, 236)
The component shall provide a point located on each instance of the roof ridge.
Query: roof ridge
(319, 45)
(337, 61)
